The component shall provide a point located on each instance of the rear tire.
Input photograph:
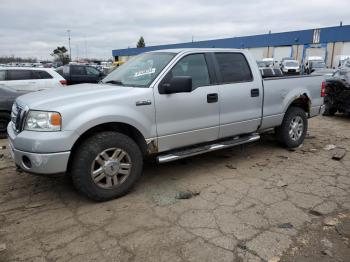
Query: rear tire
(329, 111)
(293, 129)
(5, 118)
(106, 166)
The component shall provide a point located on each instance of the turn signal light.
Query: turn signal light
(55, 119)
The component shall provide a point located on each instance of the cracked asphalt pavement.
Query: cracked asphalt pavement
(249, 203)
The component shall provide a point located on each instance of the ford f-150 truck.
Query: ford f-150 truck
(167, 104)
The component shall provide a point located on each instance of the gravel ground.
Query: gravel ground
(258, 202)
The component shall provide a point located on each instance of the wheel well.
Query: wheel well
(123, 128)
(302, 101)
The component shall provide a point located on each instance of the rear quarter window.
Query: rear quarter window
(233, 67)
(38, 74)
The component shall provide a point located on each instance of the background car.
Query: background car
(290, 67)
(7, 97)
(30, 79)
(337, 90)
(77, 74)
(312, 62)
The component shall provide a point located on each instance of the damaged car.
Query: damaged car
(337, 96)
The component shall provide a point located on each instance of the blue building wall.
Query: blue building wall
(327, 34)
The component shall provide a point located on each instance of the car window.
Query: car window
(38, 74)
(194, 66)
(2, 75)
(78, 70)
(92, 71)
(45, 75)
(267, 72)
(278, 72)
(233, 67)
(19, 75)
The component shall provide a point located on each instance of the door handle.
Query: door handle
(212, 98)
(254, 92)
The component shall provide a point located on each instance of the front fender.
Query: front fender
(144, 120)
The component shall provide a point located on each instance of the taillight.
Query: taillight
(63, 82)
(323, 89)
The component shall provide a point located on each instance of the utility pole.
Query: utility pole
(85, 49)
(70, 50)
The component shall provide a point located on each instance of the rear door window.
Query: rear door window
(38, 74)
(78, 70)
(233, 68)
(19, 75)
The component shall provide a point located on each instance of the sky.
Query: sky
(34, 28)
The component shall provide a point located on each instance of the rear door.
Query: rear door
(240, 95)
(43, 79)
(188, 118)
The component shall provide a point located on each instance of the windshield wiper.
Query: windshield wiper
(115, 82)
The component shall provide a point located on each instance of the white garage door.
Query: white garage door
(315, 51)
(258, 53)
(346, 48)
(282, 51)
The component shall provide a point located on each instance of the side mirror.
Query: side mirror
(177, 84)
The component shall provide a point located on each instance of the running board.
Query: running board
(179, 154)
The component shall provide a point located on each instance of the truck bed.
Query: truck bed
(279, 91)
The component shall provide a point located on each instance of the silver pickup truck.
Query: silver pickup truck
(167, 104)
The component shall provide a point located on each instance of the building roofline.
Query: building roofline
(327, 34)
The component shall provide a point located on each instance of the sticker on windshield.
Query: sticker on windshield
(145, 72)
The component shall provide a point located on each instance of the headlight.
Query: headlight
(43, 121)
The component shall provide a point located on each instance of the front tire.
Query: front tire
(106, 166)
(5, 118)
(293, 130)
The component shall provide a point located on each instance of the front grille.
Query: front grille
(17, 117)
(291, 70)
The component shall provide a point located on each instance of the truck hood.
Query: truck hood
(56, 98)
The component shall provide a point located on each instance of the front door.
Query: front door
(188, 118)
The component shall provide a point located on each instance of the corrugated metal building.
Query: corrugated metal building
(328, 42)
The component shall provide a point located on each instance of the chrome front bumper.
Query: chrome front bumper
(50, 163)
(39, 162)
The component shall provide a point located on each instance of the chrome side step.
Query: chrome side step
(179, 154)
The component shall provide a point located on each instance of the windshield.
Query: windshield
(140, 71)
(292, 63)
(318, 64)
